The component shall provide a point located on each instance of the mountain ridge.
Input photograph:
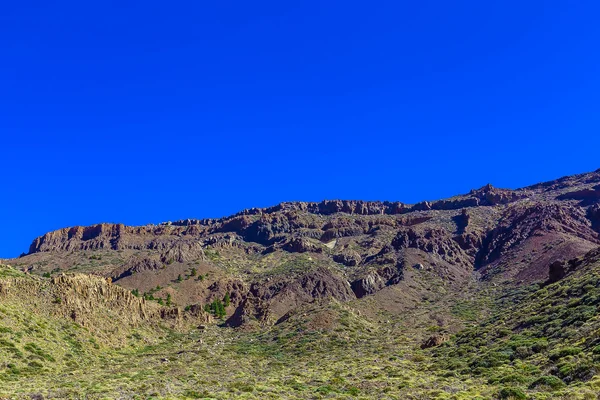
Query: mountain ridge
(407, 287)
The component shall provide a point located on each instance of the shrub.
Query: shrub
(564, 352)
(512, 394)
(576, 371)
(548, 381)
(226, 300)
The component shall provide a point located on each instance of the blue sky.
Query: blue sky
(150, 111)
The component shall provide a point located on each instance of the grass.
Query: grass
(535, 342)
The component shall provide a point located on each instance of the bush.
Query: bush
(512, 394)
(564, 352)
(548, 381)
(578, 370)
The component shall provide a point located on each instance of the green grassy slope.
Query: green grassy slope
(536, 342)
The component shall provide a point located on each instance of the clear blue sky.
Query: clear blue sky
(155, 111)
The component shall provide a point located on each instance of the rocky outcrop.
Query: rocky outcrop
(109, 237)
(486, 196)
(462, 221)
(302, 245)
(236, 289)
(593, 214)
(434, 241)
(434, 341)
(347, 257)
(567, 181)
(377, 280)
(269, 300)
(135, 265)
(93, 302)
(183, 250)
(491, 196)
(521, 223)
(557, 271)
(560, 269)
(585, 196)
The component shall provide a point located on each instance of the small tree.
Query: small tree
(169, 300)
(217, 308)
(179, 278)
(220, 309)
(226, 300)
(194, 272)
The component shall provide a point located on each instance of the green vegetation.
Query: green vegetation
(542, 339)
(216, 308)
(226, 300)
(534, 342)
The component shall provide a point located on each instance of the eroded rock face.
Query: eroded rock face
(270, 300)
(491, 196)
(135, 265)
(301, 245)
(593, 214)
(183, 250)
(486, 196)
(462, 221)
(95, 303)
(377, 280)
(561, 268)
(521, 223)
(236, 289)
(434, 241)
(585, 196)
(349, 258)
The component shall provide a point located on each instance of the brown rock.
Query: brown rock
(434, 341)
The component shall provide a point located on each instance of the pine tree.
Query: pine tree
(226, 300)
(179, 278)
(168, 299)
(193, 272)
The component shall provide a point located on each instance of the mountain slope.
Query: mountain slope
(491, 294)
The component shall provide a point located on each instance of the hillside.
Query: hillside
(492, 294)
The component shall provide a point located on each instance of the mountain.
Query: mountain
(490, 294)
